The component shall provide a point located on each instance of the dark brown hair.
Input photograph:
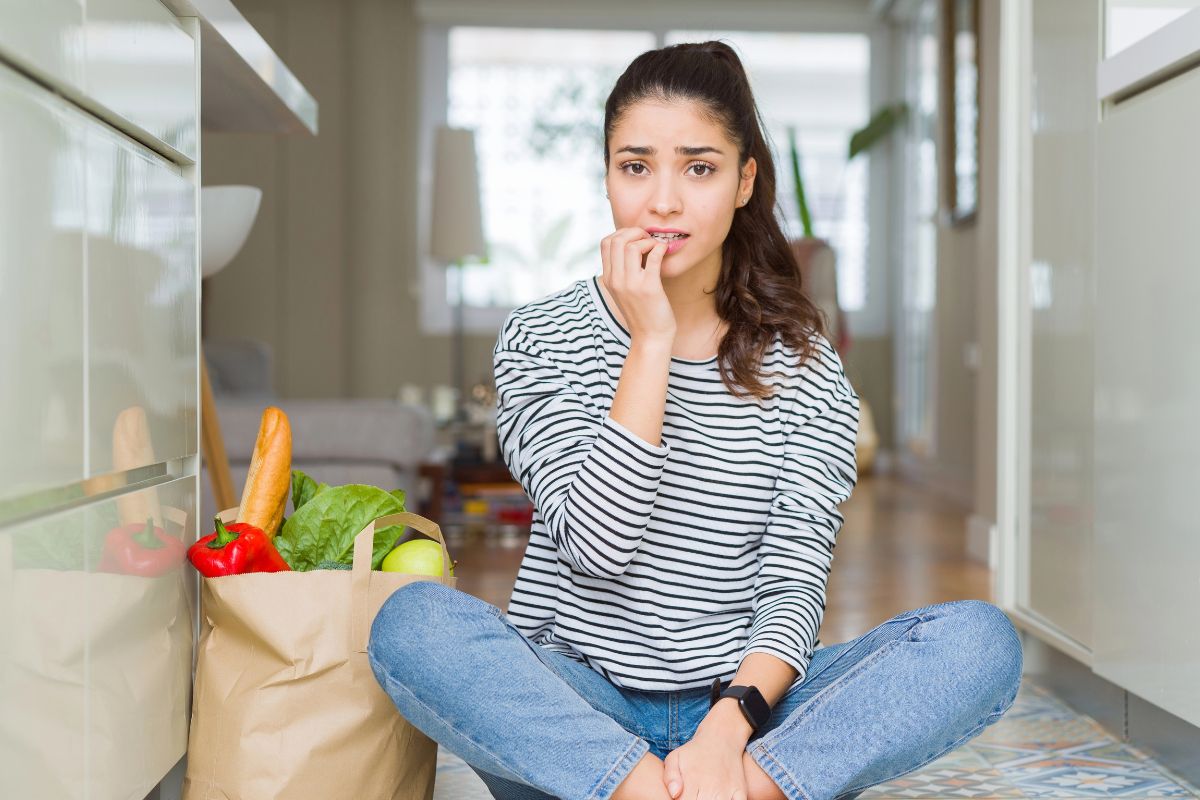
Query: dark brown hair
(759, 288)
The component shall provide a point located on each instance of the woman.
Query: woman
(686, 512)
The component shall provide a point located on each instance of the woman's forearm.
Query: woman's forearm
(641, 396)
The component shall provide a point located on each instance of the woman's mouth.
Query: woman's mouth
(674, 241)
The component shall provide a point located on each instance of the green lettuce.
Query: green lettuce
(327, 518)
(304, 489)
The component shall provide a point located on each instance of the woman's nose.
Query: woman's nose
(666, 199)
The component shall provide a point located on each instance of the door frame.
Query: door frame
(1014, 242)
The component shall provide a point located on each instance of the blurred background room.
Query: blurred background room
(993, 201)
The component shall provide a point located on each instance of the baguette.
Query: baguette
(265, 493)
(131, 448)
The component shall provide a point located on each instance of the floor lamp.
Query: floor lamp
(457, 227)
(226, 215)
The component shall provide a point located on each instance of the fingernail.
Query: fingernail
(674, 787)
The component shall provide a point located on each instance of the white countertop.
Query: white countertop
(1171, 49)
(245, 86)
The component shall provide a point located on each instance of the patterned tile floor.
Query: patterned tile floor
(1040, 748)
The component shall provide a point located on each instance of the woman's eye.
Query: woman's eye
(634, 165)
(701, 166)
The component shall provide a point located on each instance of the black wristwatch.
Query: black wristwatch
(753, 705)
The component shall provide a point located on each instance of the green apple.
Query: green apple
(416, 557)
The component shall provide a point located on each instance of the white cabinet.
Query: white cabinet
(131, 61)
(141, 300)
(142, 65)
(98, 293)
(41, 289)
(99, 296)
(46, 38)
(1148, 395)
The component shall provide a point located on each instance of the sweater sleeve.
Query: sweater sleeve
(819, 473)
(592, 480)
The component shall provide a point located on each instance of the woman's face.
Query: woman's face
(672, 169)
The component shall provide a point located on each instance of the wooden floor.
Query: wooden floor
(901, 547)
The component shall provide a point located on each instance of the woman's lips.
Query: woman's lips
(673, 244)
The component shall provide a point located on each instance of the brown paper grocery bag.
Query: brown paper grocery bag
(285, 703)
(95, 676)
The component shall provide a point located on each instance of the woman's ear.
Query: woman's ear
(748, 174)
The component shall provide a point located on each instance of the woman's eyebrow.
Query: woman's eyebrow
(646, 150)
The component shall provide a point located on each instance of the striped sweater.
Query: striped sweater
(662, 566)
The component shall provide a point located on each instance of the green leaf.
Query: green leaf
(801, 201)
(64, 542)
(304, 489)
(324, 527)
(883, 123)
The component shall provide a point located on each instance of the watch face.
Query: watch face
(756, 705)
(753, 705)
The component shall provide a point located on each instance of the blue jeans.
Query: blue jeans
(537, 725)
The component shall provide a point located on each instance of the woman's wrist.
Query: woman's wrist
(653, 343)
(726, 722)
(641, 395)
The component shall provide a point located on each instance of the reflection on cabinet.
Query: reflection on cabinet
(1147, 396)
(141, 290)
(142, 65)
(48, 43)
(116, 263)
(99, 285)
(98, 673)
(41, 289)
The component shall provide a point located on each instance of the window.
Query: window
(535, 98)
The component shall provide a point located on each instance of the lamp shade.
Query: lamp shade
(226, 215)
(457, 222)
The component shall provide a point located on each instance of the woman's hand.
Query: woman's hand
(705, 768)
(637, 289)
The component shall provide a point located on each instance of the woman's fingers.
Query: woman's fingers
(612, 252)
(631, 263)
(605, 245)
(632, 275)
(654, 262)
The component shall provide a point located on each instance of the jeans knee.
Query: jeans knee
(402, 619)
(996, 638)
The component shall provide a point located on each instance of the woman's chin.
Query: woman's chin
(675, 268)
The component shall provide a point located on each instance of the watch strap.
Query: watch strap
(751, 702)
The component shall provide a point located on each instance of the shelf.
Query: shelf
(244, 86)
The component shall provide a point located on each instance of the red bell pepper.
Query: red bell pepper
(234, 549)
(139, 549)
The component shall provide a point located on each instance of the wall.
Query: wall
(963, 466)
(987, 284)
(869, 367)
(327, 274)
